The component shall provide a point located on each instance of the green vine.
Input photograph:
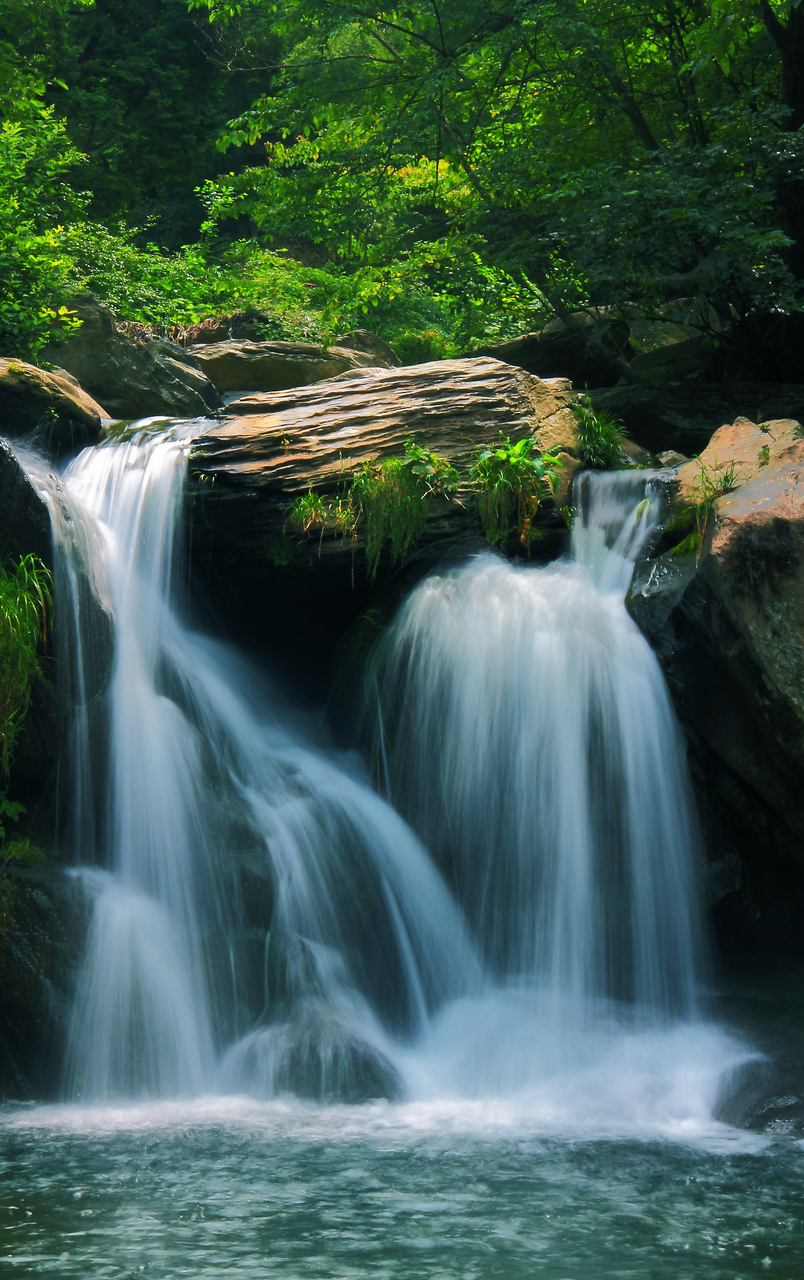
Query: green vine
(26, 604)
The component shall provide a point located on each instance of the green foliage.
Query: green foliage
(10, 811)
(448, 173)
(36, 268)
(307, 511)
(25, 607)
(386, 501)
(145, 88)
(389, 507)
(20, 849)
(587, 154)
(510, 482)
(600, 436)
(434, 475)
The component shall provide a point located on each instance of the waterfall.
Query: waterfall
(517, 917)
(525, 731)
(261, 919)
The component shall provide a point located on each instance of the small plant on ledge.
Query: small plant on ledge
(510, 482)
(711, 483)
(387, 501)
(600, 436)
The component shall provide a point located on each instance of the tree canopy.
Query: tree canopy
(457, 168)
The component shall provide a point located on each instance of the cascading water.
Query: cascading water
(264, 922)
(261, 919)
(526, 733)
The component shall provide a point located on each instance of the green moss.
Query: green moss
(683, 520)
(687, 546)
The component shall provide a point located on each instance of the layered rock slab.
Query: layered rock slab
(248, 468)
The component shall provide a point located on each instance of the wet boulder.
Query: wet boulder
(44, 919)
(133, 376)
(694, 358)
(239, 365)
(315, 1055)
(24, 518)
(729, 630)
(50, 410)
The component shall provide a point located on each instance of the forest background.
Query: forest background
(445, 172)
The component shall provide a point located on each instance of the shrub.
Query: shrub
(711, 483)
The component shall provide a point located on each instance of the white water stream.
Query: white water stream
(264, 923)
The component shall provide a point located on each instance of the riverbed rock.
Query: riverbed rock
(24, 519)
(50, 410)
(249, 467)
(730, 635)
(694, 358)
(43, 920)
(238, 365)
(588, 347)
(132, 376)
(370, 343)
(682, 416)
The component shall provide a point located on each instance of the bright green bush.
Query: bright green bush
(36, 206)
(600, 436)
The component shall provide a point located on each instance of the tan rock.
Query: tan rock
(316, 434)
(752, 450)
(58, 415)
(237, 365)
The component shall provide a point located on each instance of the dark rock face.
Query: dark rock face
(695, 357)
(730, 636)
(293, 600)
(42, 915)
(133, 377)
(50, 410)
(682, 416)
(589, 349)
(24, 518)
